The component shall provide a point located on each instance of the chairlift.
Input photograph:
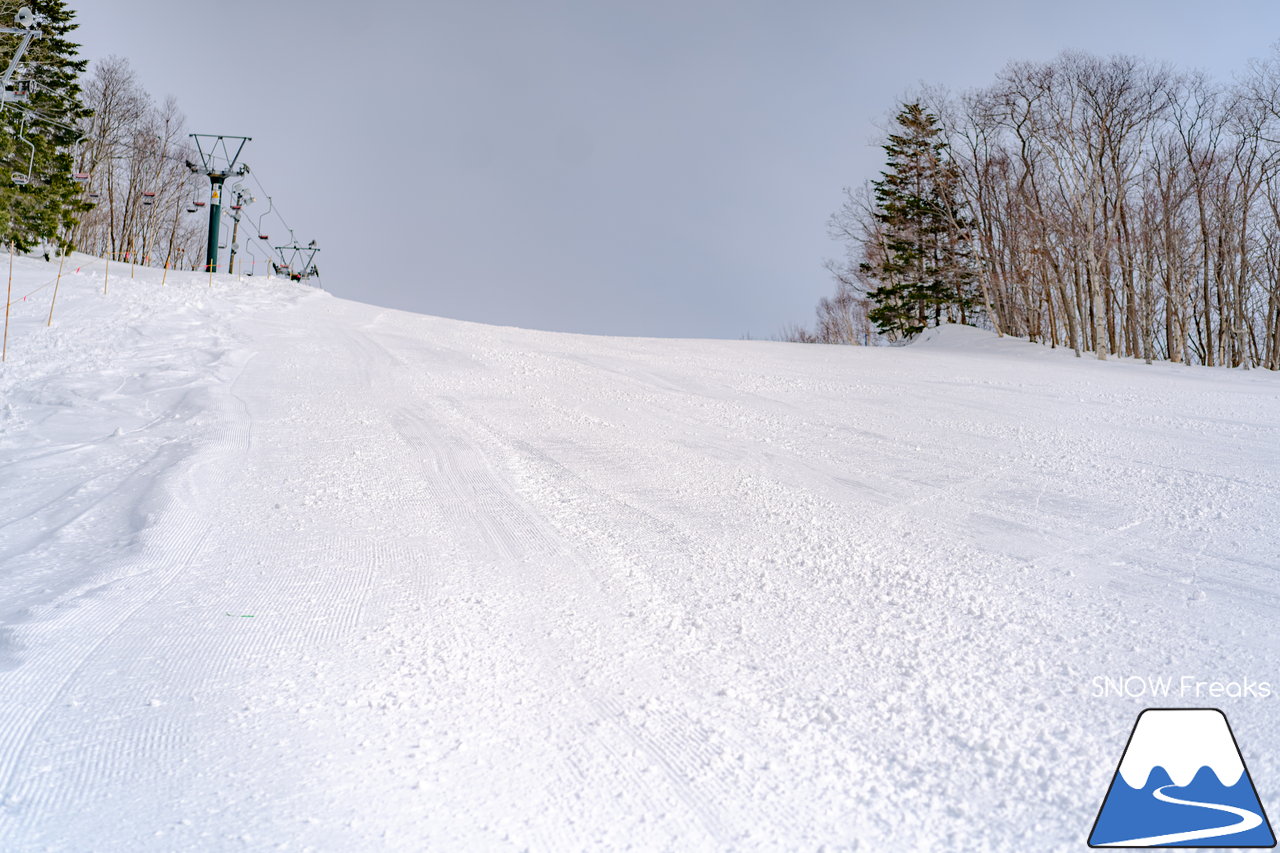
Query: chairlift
(24, 178)
(80, 177)
(93, 196)
(148, 198)
(17, 91)
(262, 234)
(191, 208)
(197, 197)
(297, 261)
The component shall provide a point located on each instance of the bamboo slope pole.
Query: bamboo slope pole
(56, 283)
(106, 271)
(4, 349)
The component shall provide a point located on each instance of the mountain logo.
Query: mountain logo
(1181, 783)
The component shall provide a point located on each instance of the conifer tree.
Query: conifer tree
(920, 259)
(46, 206)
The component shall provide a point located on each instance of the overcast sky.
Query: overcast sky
(641, 168)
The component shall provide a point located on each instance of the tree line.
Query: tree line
(90, 160)
(136, 151)
(1109, 205)
(39, 127)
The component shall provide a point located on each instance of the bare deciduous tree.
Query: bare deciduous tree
(135, 153)
(1118, 208)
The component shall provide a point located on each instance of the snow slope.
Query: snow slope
(282, 571)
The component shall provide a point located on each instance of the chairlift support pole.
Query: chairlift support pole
(215, 220)
(242, 198)
(235, 235)
(217, 163)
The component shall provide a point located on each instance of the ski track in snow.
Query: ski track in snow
(520, 590)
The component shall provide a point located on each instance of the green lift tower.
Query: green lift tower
(217, 163)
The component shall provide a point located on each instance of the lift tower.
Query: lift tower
(239, 198)
(297, 262)
(217, 163)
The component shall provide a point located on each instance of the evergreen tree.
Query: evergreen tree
(920, 257)
(48, 120)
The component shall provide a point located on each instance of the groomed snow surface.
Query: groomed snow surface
(280, 571)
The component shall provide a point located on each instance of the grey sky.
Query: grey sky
(647, 168)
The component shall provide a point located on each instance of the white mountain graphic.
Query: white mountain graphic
(1181, 741)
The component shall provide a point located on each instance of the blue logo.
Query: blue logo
(1182, 783)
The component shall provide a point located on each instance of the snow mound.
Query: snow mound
(955, 336)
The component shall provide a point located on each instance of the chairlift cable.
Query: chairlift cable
(268, 195)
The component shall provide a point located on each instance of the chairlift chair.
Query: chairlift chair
(262, 235)
(24, 178)
(148, 197)
(80, 177)
(17, 91)
(199, 203)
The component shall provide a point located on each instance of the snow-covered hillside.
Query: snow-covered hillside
(282, 571)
